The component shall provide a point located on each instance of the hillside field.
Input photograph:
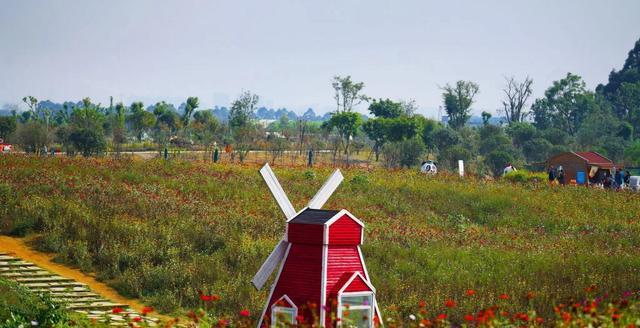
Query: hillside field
(162, 230)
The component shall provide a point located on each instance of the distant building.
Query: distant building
(590, 163)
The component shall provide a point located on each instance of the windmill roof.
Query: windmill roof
(311, 216)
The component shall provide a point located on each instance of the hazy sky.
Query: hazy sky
(287, 51)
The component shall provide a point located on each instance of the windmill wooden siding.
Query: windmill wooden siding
(324, 255)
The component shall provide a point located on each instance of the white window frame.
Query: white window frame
(292, 309)
(371, 307)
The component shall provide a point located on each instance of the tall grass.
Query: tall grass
(163, 230)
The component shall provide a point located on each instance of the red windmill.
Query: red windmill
(321, 272)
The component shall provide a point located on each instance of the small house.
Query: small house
(581, 167)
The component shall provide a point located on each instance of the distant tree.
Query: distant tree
(243, 109)
(119, 128)
(450, 156)
(386, 108)
(446, 138)
(8, 126)
(190, 107)
(375, 129)
(32, 104)
(141, 120)
(31, 136)
(632, 154)
(565, 105)
(206, 127)
(458, 100)
(521, 132)
(497, 160)
(536, 150)
(486, 116)
(516, 95)
(493, 138)
(347, 124)
(405, 153)
(347, 93)
(429, 129)
(88, 141)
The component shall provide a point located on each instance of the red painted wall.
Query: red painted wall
(345, 231)
(300, 278)
(306, 233)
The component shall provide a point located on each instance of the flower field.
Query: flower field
(162, 231)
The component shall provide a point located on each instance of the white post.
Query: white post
(461, 167)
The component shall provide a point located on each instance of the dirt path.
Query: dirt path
(19, 248)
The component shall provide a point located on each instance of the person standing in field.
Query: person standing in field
(627, 177)
(552, 174)
(618, 179)
(561, 177)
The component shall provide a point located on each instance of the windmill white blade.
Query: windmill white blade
(326, 191)
(270, 264)
(277, 191)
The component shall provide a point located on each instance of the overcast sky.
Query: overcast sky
(287, 51)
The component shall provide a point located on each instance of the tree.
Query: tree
(458, 100)
(486, 116)
(521, 132)
(565, 105)
(140, 120)
(243, 109)
(31, 136)
(190, 107)
(497, 160)
(119, 129)
(32, 103)
(632, 154)
(405, 153)
(88, 141)
(386, 108)
(7, 126)
(375, 129)
(536, 150)
(346, 124)
(347, 93)
(516, 95)
(445, 138)
(429, 129)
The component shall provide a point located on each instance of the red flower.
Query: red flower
(215, 297)
(468, 317)
(450, 304)
(300, 318)
(117, 310)
(137, 319)
(531, 295)
(244, 313)
(222, 323)
(422, 303)
(615, 316)
(539, 320)
(146, 310)
(470, 292)
(503, 297)
(441, 316)
(206, 298)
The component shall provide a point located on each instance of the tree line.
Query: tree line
(567, 117)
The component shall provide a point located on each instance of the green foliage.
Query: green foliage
(405, 153)
(243, 109)
(31, 136)
(141, 120)
(458, 100)
(8, 126)
(632, 154)
(565, 105)
(496, 160)
(21, 308)
(525, 177)
(348, 93)
(386, 108)
(88, 141)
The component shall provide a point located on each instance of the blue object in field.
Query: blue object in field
(581, 177)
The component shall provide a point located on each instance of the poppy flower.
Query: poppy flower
(244, 313)
(539, 320)
(422, 303)
(468, 318)
(300, 318)
(137, 319)
(531, 295)
(442, 316)
(146, 310)
(117, 310)
(450, 304)
(215, 297)
(503, 297)
(470, 292)
(206, 298)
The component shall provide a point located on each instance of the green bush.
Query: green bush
(524, 176)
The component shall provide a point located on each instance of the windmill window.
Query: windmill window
(356, 309)
(283, 316)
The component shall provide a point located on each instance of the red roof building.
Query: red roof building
(590, 163)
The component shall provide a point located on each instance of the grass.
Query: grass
(161, 231)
